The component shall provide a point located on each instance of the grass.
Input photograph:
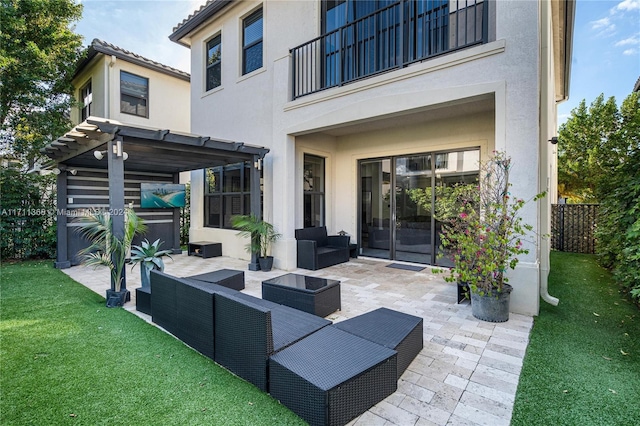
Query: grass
(582, 366)
(66, 359)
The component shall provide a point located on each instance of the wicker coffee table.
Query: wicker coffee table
(318, 296)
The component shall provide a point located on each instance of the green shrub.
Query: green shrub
(618, 188)
(27, 215)
(185, 216)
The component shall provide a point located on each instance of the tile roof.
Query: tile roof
(100, 46)
(192, 16)
(207, 10)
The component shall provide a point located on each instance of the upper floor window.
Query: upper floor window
(134, 94)
(252, 42)
(214, 62)
(86, 95)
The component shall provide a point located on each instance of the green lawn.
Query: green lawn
(582, 365)
(66, 359)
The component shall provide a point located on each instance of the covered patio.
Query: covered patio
(101, 165)
(468, 371)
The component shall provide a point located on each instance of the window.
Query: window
(214, 62)
(252, 42)
(134, 93)
(227, 193)
(313, 189)
(87, 97)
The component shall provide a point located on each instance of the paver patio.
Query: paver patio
(466, 374)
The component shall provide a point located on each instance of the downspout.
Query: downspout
(546, 77)
(107, 89)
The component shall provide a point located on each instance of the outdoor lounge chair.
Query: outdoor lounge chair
(317, 250)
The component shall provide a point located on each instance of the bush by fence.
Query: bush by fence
(573, 227)
(185, 216)
(27, 215)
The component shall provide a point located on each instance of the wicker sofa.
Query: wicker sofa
(327, 374)
(317, 250)
(235, 329)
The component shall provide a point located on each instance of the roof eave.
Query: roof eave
(188, 26)
(570, 12)
(108, 51)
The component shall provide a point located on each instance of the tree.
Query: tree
(599, 160)
(38, 54)
(618, 190)
(583, 144)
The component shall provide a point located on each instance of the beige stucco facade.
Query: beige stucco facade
(500, 95)
(168, 96)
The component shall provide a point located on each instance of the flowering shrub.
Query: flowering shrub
(487, 235)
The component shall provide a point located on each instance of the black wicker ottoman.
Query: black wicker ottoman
(229, 278)
(332, 376)
(143, 299)
(392, 329)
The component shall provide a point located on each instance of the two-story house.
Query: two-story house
(116, 84)
(369, 107)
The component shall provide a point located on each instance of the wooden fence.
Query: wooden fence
(573, 227)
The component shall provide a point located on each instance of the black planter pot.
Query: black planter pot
(266, 263)
(117, 298)
(492, 307)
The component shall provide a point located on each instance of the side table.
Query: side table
(204, 249)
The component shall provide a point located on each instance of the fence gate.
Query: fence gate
(573, 227)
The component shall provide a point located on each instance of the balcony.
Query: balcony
(393, 37)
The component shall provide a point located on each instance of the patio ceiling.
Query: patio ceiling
(148, 149)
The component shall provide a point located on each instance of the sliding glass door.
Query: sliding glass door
(413, 208)
(404, 199)
(375, 223)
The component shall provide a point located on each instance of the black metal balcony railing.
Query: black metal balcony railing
(393, 37)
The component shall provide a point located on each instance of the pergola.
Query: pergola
(134, 150)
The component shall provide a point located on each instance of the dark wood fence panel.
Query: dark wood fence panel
(573, 227)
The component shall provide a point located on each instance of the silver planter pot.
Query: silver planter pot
(492, 307)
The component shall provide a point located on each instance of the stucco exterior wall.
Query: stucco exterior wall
(95, 73)
(168, 97)
(257, 109)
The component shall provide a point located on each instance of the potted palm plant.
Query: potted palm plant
(261, 236)
(105, 249)
(149, 256)
(487, 239)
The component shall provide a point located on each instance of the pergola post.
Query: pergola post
(255, 202)
(116, 195)
(62, 255)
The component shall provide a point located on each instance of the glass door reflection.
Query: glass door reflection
(413, 200)
(456, 177)
(375, 221)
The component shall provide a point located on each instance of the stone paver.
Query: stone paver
(467, 372)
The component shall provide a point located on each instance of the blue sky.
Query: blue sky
(606, 44)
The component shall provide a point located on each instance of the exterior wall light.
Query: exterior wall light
(554, 140)
(100, 154)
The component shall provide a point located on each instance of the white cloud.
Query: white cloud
(603, 26)
(627, 5)
(600, 23)
(630, 52)
(628, 41)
